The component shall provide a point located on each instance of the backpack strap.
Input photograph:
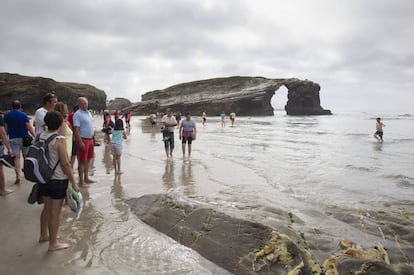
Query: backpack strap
(37, 138)
(49, 139)
(46, 144)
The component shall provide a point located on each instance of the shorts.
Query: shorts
(116, 149)
(168, 140)
(1, 150)
(55, 189)
(88, 153)
(187, 137)
(74, 149)
(204, 119)
(380, 133)
(17, 146)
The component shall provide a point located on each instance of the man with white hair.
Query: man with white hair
(84, 132)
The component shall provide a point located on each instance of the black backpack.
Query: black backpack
(36, 164)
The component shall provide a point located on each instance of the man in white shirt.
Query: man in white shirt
(169, 122)
(49, 103)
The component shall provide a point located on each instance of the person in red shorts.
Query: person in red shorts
(84, 132)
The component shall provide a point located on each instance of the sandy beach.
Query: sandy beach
(110, 239)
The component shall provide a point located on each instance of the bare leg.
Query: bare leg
(72, 161)
(81, 169)
(183, 149)
(118, 158)
(189, 150)
(86, 171)
(18, 168)
(3, 190)
(44, 220)
(53, 225)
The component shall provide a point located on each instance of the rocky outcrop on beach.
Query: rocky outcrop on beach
(118, 103)
(278, 242)
(30, 91)
(246, 96)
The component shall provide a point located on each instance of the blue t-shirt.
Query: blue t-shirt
(84, 121)
(16, 124)
(117, 136)
(188, 125)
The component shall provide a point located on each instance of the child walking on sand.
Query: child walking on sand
(379, 133)
(118, 134)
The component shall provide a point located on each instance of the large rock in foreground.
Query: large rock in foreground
(30, 91)
(246, 96)
(244, 246)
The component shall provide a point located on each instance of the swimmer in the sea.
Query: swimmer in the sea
(379, 133)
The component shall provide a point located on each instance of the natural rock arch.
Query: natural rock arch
(246, 96)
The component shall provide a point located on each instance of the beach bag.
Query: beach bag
(36, 164)
(75, 201)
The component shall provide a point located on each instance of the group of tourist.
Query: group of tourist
(71, 136)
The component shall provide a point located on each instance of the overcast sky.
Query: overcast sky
(360, 52)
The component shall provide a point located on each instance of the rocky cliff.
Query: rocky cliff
(118, 103)
(245, 96)
(30, 91)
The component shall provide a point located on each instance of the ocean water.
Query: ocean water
(331, 160)
(320, 161)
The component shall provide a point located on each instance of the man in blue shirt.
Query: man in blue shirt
(18, 126)
(84, 132)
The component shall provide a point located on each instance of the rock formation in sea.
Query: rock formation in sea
(278, 242)
(30, 91)
(246, 96)
(118, 103)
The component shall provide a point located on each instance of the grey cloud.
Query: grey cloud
(129, 47)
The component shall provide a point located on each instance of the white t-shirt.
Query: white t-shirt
(39, 122)
(169, 120)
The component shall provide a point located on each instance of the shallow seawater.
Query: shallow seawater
(322, 161)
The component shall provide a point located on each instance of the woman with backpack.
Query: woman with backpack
(187, 133)
(54, 191)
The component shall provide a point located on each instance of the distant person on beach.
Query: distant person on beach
(49, 103)
(18, 127)
(118, 135)
(232, 118)
(379, 133)
(169, 122)
(65, 129)
(204, 117)
(152, 119)
(108, 124)
(187, 133)
(74, 146)
(4, 141)
(116, 115)
(223, 119)
(84, 133)
(127, 117)
(54, 192)
(178, 117)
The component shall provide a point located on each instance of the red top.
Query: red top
(70, 119)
